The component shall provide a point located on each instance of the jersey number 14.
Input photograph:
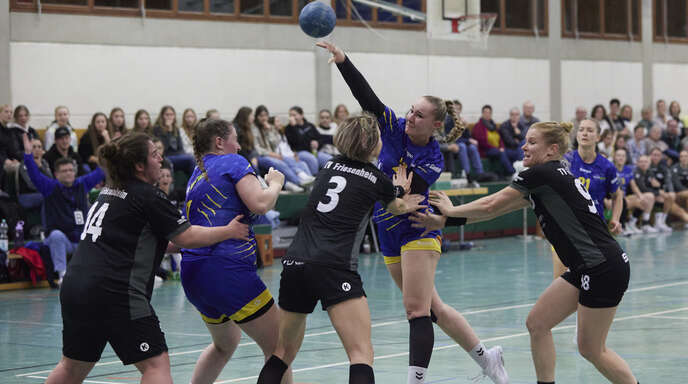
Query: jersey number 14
(94, 221)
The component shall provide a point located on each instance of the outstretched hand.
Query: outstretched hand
(429, 221)
(402, 179)
(238, 229)
(441, 201)
(413, 202)
(338, 55)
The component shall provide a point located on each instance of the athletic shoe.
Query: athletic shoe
(627, 232)
(495, 367)
(305, 178)
(291, 187)
(647, 228)
(631, 225)
(663, 227)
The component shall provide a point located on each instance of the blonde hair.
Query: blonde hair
(357, 137)
(554, 132)
(442, 108)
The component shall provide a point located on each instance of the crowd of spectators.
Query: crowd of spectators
(55, 175)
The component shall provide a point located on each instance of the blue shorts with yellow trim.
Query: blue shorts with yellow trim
(222, 290)
(396, 235)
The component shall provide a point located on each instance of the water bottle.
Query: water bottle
(4, 240)
(19, 234)
(366, 244)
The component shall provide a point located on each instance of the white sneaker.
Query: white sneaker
(631, 225)
(495, 367)
(664, 228)
(305, 178)
(291, 187)
(649, 229)
(627, 232)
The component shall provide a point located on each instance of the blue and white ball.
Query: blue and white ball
(317, 19)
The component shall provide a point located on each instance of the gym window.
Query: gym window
(517, 17)
(349, 13)
(601, 19)
(670, 18)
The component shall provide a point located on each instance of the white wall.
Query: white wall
(90, 78)
(670, 83)
(587, 83)
(399, 80)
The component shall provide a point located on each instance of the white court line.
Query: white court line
(85, 381)
(30, 323)
(496, 309)
(498, 338)
(670, 317)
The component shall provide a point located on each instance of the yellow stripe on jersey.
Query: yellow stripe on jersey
(397, 223)
(196, 181)
(188, 207)
(391, 217)
(206, 216)
(392, 259)
(247, 310)
(212, 201)
(250, 245)
(218, 191)
(428, 244)
(210, 209)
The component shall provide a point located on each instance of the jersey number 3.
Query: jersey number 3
(333, 194)
(94, 222)
(586, 195)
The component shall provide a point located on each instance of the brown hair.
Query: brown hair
(189, 129)
(244, 132)
(160, 122)
(357, 137)
(111, 126)
(203, 140)
(94, 137)
(442, 108)
(554, 132)
(148, 130)
(120, 156)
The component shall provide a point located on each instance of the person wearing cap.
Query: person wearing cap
(65, 199)
(63, 149)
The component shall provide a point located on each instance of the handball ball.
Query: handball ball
(317, 19)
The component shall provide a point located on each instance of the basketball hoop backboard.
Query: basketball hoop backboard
(459, 20)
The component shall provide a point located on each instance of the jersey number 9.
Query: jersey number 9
(586, 195)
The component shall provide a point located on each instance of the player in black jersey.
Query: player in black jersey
(107, 289)
(322, 262)
(598, 268)
(664, 176)
(679, 175)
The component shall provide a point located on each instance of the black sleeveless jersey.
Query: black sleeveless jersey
(335, 218)
(568, 216)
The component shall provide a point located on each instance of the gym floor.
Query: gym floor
(494, 286)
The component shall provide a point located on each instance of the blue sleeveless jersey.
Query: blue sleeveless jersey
(625, 176)
(599, 178)
(424, 161)
(215, 202)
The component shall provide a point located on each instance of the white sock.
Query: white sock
(658, 218)
(479, 354)
(61, 273)
(416, 375)
(646, 216)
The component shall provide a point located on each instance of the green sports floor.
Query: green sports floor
(494, 285)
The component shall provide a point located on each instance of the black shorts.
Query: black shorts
(602, 286)
(302, 285)
(132, 340)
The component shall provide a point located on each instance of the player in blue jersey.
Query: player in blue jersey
(634, 199)
(597, 175)
(221, 281)
(411, 251)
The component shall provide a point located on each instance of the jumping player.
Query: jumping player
(221, 280)
(598, 268)
(107, 290)
(322, 262)
(410, 251)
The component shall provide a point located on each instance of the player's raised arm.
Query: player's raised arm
(354, 79)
